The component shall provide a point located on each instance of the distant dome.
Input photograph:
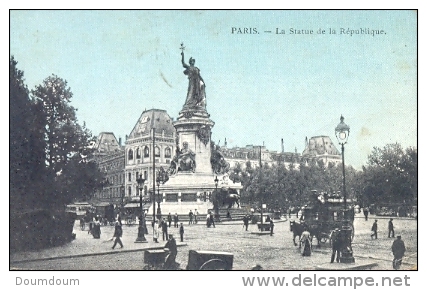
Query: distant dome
(320, 145)
(153, 118)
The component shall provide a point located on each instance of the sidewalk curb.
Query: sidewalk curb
(91, 254)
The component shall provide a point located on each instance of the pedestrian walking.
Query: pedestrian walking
(336, 244)
(398, 248)
(211, 219)
(169, 220)
(195, 216)
(164, 227)
(118, 232)
(96, 230)
(246, 222)
(156, 231)
(190, 216)
(390, 228)
(175, 220)
(366, 212)
(181, 232)
(271, 227)
(374, 230)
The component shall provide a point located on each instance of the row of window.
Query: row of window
(167, 152)
(144, 175)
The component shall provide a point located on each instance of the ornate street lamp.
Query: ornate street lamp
(342, 131)
(141, 227)
(161, 179)
(216, 197)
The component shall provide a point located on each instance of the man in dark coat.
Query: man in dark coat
(181, 232)
(374, 230)
(118, 234)
(398, 249)
(336, 244)
(190, 217)
(365, 213)
(390, 228)
(164, 226)
(211, 219)
(246, 221)
(175, 220)
(271, 227)
(169, 219)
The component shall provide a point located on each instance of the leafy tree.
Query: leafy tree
(26, 168)
(391, 175)
(78, 180)
(62, 133)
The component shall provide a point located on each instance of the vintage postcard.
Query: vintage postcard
(214, 140)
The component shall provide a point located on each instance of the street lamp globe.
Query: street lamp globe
(342, 131)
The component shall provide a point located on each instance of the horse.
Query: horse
(297, 230)
(232, 198)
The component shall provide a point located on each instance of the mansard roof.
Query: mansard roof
(154, 118)
(320, 145)
(106, 142)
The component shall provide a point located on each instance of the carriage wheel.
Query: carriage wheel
(213, 264)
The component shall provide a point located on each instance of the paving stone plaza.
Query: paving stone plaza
(275, 252)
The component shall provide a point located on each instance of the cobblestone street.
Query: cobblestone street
(275, 252)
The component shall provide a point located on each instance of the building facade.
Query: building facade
(109, 155)
(150, 145)
(321, 148)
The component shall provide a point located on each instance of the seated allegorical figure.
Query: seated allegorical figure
(184, 160)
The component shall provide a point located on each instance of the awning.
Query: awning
(136, 205)
(102, 203)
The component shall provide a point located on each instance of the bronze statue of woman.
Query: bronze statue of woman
(196, 96)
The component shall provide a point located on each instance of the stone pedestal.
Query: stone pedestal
(194, 127)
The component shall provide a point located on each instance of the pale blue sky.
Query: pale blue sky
(260, 87)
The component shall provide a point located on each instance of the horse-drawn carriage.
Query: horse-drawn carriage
(322, 216)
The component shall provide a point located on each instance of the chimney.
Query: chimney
(283, 148)
(120, 141)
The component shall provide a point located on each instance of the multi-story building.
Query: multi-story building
(109, 154)
(318, 148)
(150, 145)
(321, 148)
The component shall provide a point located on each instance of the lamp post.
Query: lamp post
(159, 180)
(122, 195)
(141, 227)
(342, 131)
(216, 198)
